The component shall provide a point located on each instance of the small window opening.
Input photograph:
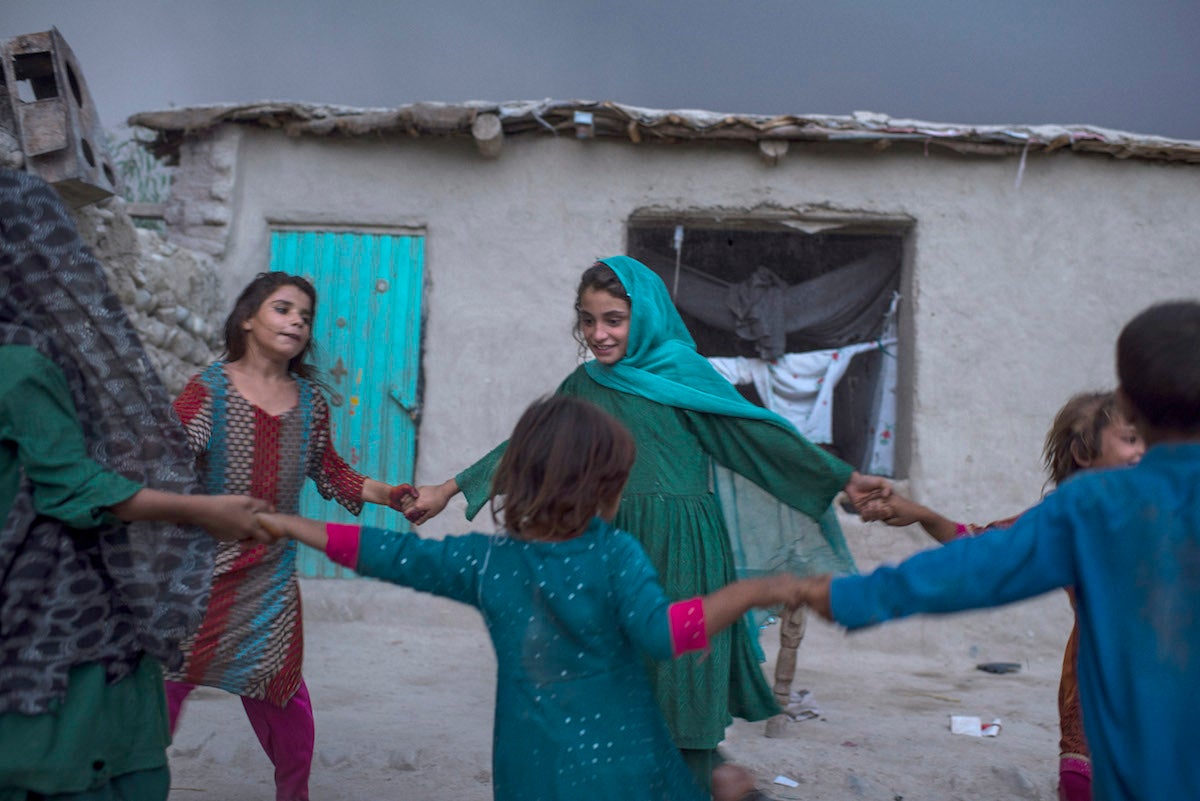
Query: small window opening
(76, 92)
(775, 308)
(35, 76)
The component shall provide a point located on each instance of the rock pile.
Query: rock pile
(172, 294)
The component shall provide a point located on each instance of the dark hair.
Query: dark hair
(1074, 436)
(1158, 365)
(602, 278)
(249, 302)
(566, 459)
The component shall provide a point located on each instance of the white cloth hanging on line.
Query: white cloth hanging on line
(798, 386)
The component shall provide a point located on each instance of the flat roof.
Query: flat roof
(606, 120)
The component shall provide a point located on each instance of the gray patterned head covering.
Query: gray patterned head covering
(109, 594)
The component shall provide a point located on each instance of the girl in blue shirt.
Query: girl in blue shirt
(1128, 540)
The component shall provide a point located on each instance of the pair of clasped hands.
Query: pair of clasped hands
(240, 518)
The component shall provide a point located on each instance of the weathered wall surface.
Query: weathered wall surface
(172, 295)
(1014, 294)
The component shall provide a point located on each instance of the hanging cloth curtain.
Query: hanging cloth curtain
(835, 309)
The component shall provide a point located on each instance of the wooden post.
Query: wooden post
(791, 633)
(489, 135)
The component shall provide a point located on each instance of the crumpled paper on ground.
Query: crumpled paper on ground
(802, 706)
(974, 726)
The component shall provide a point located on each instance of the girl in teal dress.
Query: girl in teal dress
(573, 608)
(682, 414)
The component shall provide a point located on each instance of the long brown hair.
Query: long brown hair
(249, 302)
(566, 459)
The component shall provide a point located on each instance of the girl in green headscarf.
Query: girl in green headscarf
(683, 415)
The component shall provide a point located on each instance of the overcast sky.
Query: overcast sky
(1132, 66)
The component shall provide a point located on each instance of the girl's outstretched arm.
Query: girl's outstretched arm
(301, 529)
(693, 622)
(727, 605)
(227, 517)
(430, 501)
(897, 510)
(399, 497)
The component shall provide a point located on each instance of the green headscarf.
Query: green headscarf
(661, 362)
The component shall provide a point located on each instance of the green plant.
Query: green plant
(144, 178)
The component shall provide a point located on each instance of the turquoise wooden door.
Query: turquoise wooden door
(366, 339)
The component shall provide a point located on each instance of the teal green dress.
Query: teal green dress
(570, 622)
(669, 507)
(684, 415)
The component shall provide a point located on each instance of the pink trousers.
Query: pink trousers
(1074, 779)
(286, 734)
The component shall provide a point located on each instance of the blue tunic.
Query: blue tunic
(1129, 541)
(570, 622)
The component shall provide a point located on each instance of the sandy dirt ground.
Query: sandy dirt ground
(403, 684)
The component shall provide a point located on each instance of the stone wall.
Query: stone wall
(172, 294)
(199, 210)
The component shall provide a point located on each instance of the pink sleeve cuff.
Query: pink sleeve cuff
(961, 530)
(687, 626)
(342, 546)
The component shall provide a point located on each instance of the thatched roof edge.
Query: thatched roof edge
(610, 120)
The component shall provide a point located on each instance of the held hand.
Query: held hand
(872, 511)
(401, 497)
(781, 589)
(231, 518)
(897, 511)
(302, 529)
(814, 593)
(273, 524)
(791, 591)
(864, 488)
(430, 501)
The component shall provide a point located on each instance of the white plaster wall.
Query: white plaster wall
(1015, 293)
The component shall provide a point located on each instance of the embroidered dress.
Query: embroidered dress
(1074, 755)
(669, 508)
(683, 415)
(571, 623)
(251, 641)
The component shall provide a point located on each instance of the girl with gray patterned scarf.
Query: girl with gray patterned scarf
(94, 597)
